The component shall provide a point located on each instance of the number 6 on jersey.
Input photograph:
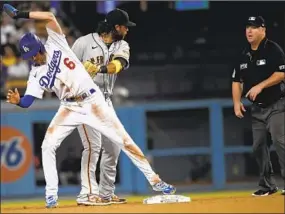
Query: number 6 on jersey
(69, 64)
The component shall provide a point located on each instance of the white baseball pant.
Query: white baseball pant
(92, 141)
(94, 112)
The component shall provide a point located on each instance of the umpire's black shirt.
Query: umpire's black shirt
(256, 66)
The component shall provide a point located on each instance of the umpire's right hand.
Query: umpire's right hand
(239, 109)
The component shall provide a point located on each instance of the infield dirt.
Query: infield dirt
(243, 203)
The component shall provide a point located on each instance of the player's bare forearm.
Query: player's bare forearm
(37, 15)
(236, 92)
(46, 16)
(274, 79)
(41, 15)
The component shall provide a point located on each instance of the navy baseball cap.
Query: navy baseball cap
(30, 45)
(119, 17)
(256, 21)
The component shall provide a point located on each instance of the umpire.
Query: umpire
(260, 74)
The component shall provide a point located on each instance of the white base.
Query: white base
(166, 199)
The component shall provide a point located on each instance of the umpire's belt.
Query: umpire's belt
(265, 105)
(262, 105)
(80, 97)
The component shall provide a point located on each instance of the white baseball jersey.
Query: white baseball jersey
(91, 47)
(63, 73)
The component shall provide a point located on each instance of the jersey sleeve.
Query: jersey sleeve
(123, 51)
(78, 48)
(56, 38)
(33, 87)
(278, 59)
(236, 77)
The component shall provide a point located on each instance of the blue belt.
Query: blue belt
(80, 97)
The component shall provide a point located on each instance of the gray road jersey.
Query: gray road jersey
(91, 47)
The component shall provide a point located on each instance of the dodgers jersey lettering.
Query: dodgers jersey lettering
(47, 80)
(63, 74)
(91, 47)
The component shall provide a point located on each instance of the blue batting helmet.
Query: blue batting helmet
(30, 45)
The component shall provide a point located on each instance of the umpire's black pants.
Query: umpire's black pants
(269, 119)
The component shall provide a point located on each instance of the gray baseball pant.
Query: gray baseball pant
(269, 119)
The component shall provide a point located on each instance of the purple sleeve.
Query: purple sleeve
(26, 101)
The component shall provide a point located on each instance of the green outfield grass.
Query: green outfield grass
(193, 196)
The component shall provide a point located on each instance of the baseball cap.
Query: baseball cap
(30, 45)
(256, 21)
(119, 17)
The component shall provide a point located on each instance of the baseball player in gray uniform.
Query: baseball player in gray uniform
(100, 48)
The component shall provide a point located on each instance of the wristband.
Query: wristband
(103, 69)
(22, 15)
(118, 65)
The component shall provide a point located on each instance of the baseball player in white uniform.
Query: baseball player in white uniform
(57, 69)
(102, 47)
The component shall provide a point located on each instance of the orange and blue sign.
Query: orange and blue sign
(16, 154)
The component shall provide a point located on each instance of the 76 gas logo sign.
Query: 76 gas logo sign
(16, 154)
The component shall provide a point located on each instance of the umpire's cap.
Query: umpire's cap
(256, 21)
(119, 17)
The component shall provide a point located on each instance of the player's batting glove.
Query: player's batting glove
(91, 68)
(10, 10)
(14, 13)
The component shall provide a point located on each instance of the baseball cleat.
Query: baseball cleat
(51, 201)
(265, 192)
(283, 192)
(81, 199)
(91, 200)
(116, 200)
(163, 187)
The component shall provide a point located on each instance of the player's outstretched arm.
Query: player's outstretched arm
(37, 15)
